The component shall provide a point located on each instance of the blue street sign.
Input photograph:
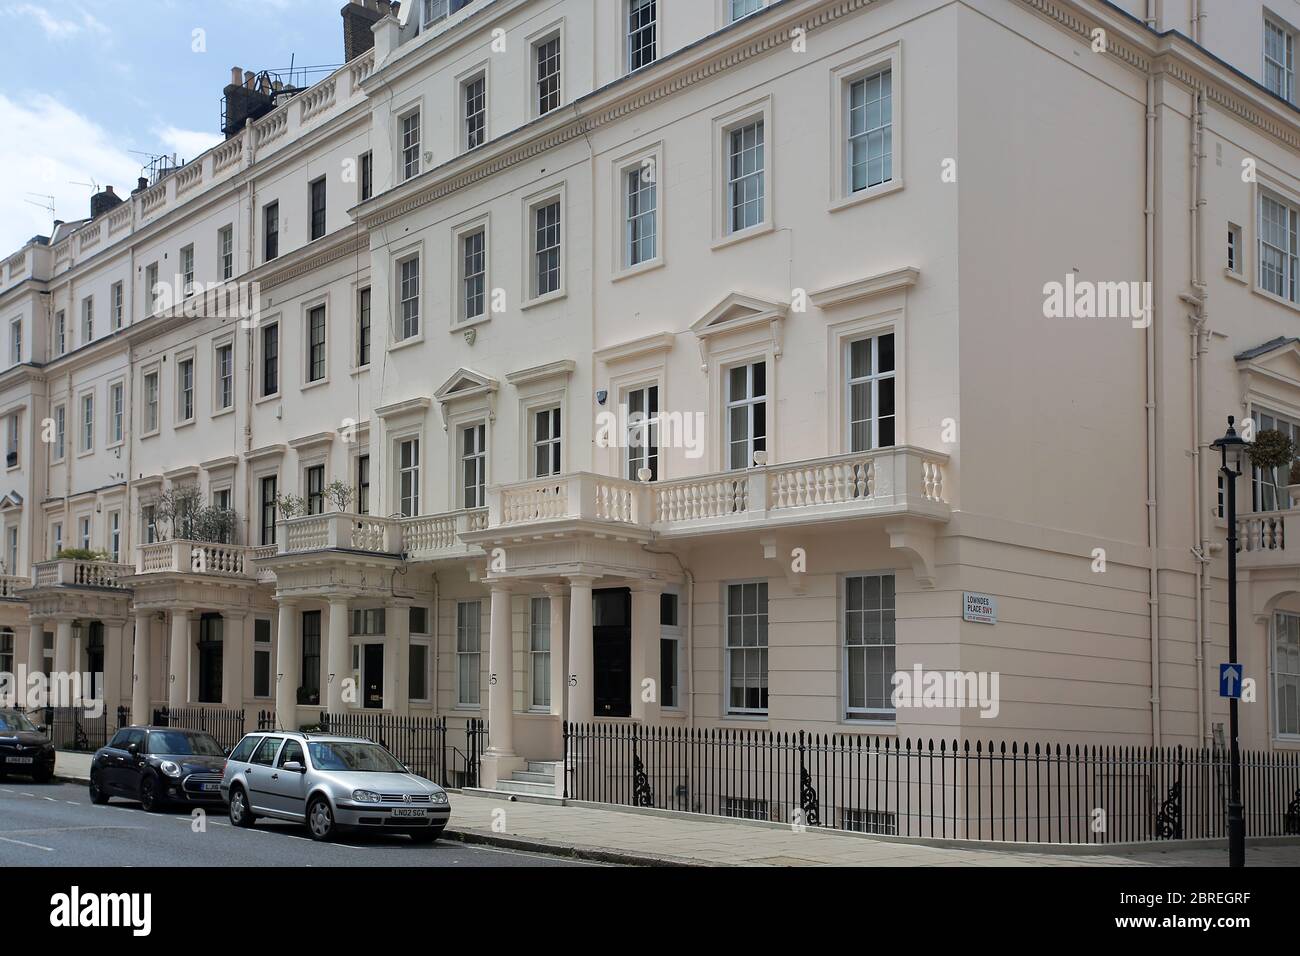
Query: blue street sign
(1230, 680)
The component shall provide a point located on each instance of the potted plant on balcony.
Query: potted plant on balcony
(1270, 452)
(81, 554)
(181, 515)
(340, 494)
(1293, 489)
(290, 506)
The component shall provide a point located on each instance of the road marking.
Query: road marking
(34, 846)
(51, 799)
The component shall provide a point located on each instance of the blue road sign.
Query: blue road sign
(1230, 680)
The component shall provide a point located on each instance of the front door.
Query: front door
(611, 634)
(95, 659)
(210, 658)
(374, 677)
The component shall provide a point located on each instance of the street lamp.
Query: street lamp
(1232, 450)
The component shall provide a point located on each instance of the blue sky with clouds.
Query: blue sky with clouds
(85, 82)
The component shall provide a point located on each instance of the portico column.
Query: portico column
(178, 660)
(501, 674)
(397, 648)
(114, 652)
(337, 655)
(63, 664)
(559, 596)
(233, 650)
(36, 647)
(645, 650)
(22, 646)
(581, 682)
(288, 662)
(140, 669)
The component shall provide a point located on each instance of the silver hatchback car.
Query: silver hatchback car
(330, 783)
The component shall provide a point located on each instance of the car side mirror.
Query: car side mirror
(42, 729)
(293, 766)
(133, 749)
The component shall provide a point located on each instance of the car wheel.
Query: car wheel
(97, 794)
(43, 776)
(240, 813)
(150, 801)
(320, 820)
(426, 836)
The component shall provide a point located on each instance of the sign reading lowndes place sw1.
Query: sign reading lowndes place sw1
(979, 608)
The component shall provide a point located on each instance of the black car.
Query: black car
(25, 748)
(158, 766)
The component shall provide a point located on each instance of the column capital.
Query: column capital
(648, 585)
(556, 590)
(502, 584)
(581, 580)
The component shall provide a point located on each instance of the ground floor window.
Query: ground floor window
(418, 686)
(869, 646)
(1286, 673)
(6, 651)
(539, 653)
(870, 821)
(309, 693)
(745, 808)
(468, 652)
(670, 658)
(746, 650)
(262, 658)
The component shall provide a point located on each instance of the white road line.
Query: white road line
(34, 846)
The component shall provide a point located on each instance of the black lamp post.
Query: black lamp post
(1232, 450)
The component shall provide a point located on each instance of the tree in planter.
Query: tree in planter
(181, 515)
(1270, 452)
(290, 506)
(340, 494)
(81, 554)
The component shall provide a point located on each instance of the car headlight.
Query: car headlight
(438, 797)
(170, 768)
(365, 796)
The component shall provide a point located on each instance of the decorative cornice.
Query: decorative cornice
(869, 287)
(561, 369)
(646, 345)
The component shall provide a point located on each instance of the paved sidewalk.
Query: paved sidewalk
(648, 838)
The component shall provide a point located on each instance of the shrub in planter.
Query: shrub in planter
(1271, 450)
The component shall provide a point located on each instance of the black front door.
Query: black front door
(374, 679)
(210, 658)
(95, 658)
(612, 652)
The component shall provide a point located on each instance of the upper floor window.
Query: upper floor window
(746, 413)
(408, 477)
(546, 442)
(87, 421)
(1279, 247)
(870, 130)
(1279, 59)
(363, 327)
(151, 286)
(185, 390)
(411, 145)
(316, 344)
(642, 431)
(270, 359)
(434, 10)
(225, 376)
(367, 175)
(745, 171)
(15, 341)
(318, 208)
(640, 214)
(117, 296)
(1268, 485)
(60, 431)
(473, 265)
(409, 297)
(1286, 673)
(268, 494)
(642, 30)
(271, 231)
(315, 482)
(226, 252)
(870, 398)
(740, 9)
(87, 320)
(116, 413)
(869, 646)
(546, 238)
(1234, 249)
(11, 440)
(473, 463)
(546, 67)
(150, 402)
(363, 484)
(187, 271)
(474, 106)
(60, 333)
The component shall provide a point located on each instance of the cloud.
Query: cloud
(187, 143)
(76, 21)
(49, 150)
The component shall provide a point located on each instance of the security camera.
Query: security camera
(601, 395)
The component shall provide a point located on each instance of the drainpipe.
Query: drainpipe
(1152, 434)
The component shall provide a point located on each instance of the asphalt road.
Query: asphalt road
(57, 825)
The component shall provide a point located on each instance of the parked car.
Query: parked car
(25, 747)
(158, 766)
(330, 783)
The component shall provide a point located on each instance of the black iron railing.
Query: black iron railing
(73, 728)
(976, 790)
(225, 726)
(443, 749)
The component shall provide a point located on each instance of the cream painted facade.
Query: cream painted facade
(530, 573)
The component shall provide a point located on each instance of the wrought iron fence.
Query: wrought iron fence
(226, 726)
(72, 728)
(443, 749)
(976, 790)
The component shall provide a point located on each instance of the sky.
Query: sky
(87, 86)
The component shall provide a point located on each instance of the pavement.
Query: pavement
(656, 838)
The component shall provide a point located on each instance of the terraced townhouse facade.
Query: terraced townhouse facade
(688, 363)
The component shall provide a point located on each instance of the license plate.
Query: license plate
(20, 759)
(209, 787)
(409, 812)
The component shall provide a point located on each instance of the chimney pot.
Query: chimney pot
(383, 7)
(236, 76)
(249, 77)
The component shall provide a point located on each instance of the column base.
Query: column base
(494, 767)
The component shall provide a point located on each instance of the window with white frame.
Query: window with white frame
(151, 290)
(468, 652)
(546, 70)
(1286, 673)
(363, 327)
(433, 11)
(271, 231)
(262, 657)
(363, 484)
(60, 333)
(187, 271)
(56, 532)
(473, 98)
(268, 493)
(418, 672)
(870, 131)
(150, 402)
(149, 523)
(185, 390)
(640, 214)
(83, 525)
(869, 381)
(1279, 247)
(115, 535)
(367, 163)
(87, 320)
(11, 440)
(642, 33)
(869, 646)
(746, 413)
(16, 342)
(473, 274)
(546, 442)
(408, 271)
(670, 651)
(1279, 59)
(473, 465)
(7, 644)
(1234, 264)
(539, 653)
(88, 421)
(270, 359)
(226, 252)
(745, 172)
(746, 648)
(225, 362)
(60, 431)
(11, 558)
(1268, 485)
(410, 145)
(408, 477)
(117, 302)
(116, 413)
(739, 9)
(314, 483)
(546, 245)
(316, 198)
(316, 344)
(642, 431)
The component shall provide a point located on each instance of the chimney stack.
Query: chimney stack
(243, 101)
(358, 18)
(102, 202)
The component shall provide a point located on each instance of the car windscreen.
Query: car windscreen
(179, 743)
(11, 722)
(346, 755)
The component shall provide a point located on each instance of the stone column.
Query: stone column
(178, 660)
(645, 650)
(397, 653)
(36, 647)
(22, 648)
(582, 685)
(114, 660)
(559, 596)
(141, 669)
(338, 666)
(288, 663)
(234, 650)
(500, 759)
(63, 660)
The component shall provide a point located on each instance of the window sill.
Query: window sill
(471, 324)
(753, 232)
(1262, 293)
(221, 412)
(632, 271)
(308, 386)
(406, 343)
(865, 195)
(359, 370)
(86, 453)
(266, 398)
(153, 434)
(550, 297)
(1235, 276)
(188, 423)
(747, 718)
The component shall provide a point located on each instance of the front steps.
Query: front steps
(534, 784)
